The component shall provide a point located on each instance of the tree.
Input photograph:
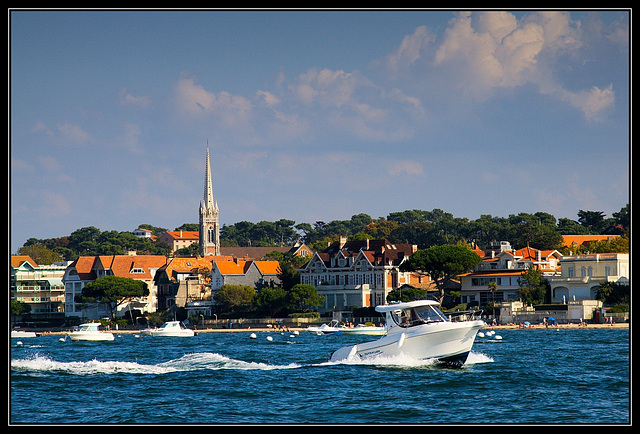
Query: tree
(533, 287)
(407, 293)
(271, 300)
(304, 297)
(40, 253)
(442, 263)
(112, 291)
(235, 297)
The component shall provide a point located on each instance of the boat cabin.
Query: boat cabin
(412, 313)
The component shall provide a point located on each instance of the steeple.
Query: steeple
(208, 203)
(209, 226)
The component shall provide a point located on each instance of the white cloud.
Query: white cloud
(404, 168)
(73, 134)
(482, 52)
(127, 99)
(194, 101)
(593, 103)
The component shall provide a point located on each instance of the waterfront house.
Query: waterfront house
(257, 274)
(39, 286)
(582, 275)
(184, 280)
(503, 266)
(87, 269)
(359, 273)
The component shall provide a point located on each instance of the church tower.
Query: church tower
(209, 226)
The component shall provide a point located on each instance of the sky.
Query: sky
(313, 115)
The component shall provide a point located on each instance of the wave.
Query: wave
(188, 362)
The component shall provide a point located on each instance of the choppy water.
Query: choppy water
(530, 377)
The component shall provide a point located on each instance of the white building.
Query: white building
(582, 275)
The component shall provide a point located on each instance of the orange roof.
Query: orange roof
(268, 267)
(230, 267)
(133, 267)
(184, 235)
(18, 260)
(568, 240)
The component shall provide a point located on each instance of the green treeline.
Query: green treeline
(427, 228)
(423, 228)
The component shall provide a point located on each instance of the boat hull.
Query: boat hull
(446, 342)
(374, 331)
(91, 336)
(181, 333)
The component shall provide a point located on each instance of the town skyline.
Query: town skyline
(335, 113)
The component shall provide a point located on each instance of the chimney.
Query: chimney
(343, 241)
(367, 244)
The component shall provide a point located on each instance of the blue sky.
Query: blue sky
(313, 115)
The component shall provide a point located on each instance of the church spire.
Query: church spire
(208, 204)
(209, 226)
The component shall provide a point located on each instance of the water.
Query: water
(531, 376)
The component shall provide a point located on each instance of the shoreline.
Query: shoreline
(301, 329)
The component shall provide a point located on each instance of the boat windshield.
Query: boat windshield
(417, 316)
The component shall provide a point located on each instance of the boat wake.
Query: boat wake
(406, 361)
(186, 363)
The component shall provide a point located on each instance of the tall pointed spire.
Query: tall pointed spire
(209, 226)
(209, 204)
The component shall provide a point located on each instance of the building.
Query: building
(582, 275)
(87, 269)
(257, 253)
(209, 225)
(143, 233)
(503, 266)
(575, 241)
(358, 273)
(179, 239)
(257, 274)
(183, 280)
(39, 286)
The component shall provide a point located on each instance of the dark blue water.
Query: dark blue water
(531, 376)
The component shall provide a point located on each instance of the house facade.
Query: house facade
(39, 286)
(358, 273)
(582, 275)
(257, 274)
(179, 239)
(503, 266)
(87, 269)
(183, 280)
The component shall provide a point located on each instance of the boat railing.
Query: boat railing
(463, 315)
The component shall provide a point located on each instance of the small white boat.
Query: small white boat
(23, 334)
(90, 332)
(325, 329)
(420, 330)
(170, 328)
(364, 329)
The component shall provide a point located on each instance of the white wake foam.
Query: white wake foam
(188, 362)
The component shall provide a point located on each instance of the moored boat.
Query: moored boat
(170, 328)
(364, 329)
(325, 329)
(420, 330)
(90, 332)
(23, 334)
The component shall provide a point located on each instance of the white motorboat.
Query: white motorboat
(364, 329)
(90, 332)
(419, 330)
(170, 328)
(23, 334)
(326, 329)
